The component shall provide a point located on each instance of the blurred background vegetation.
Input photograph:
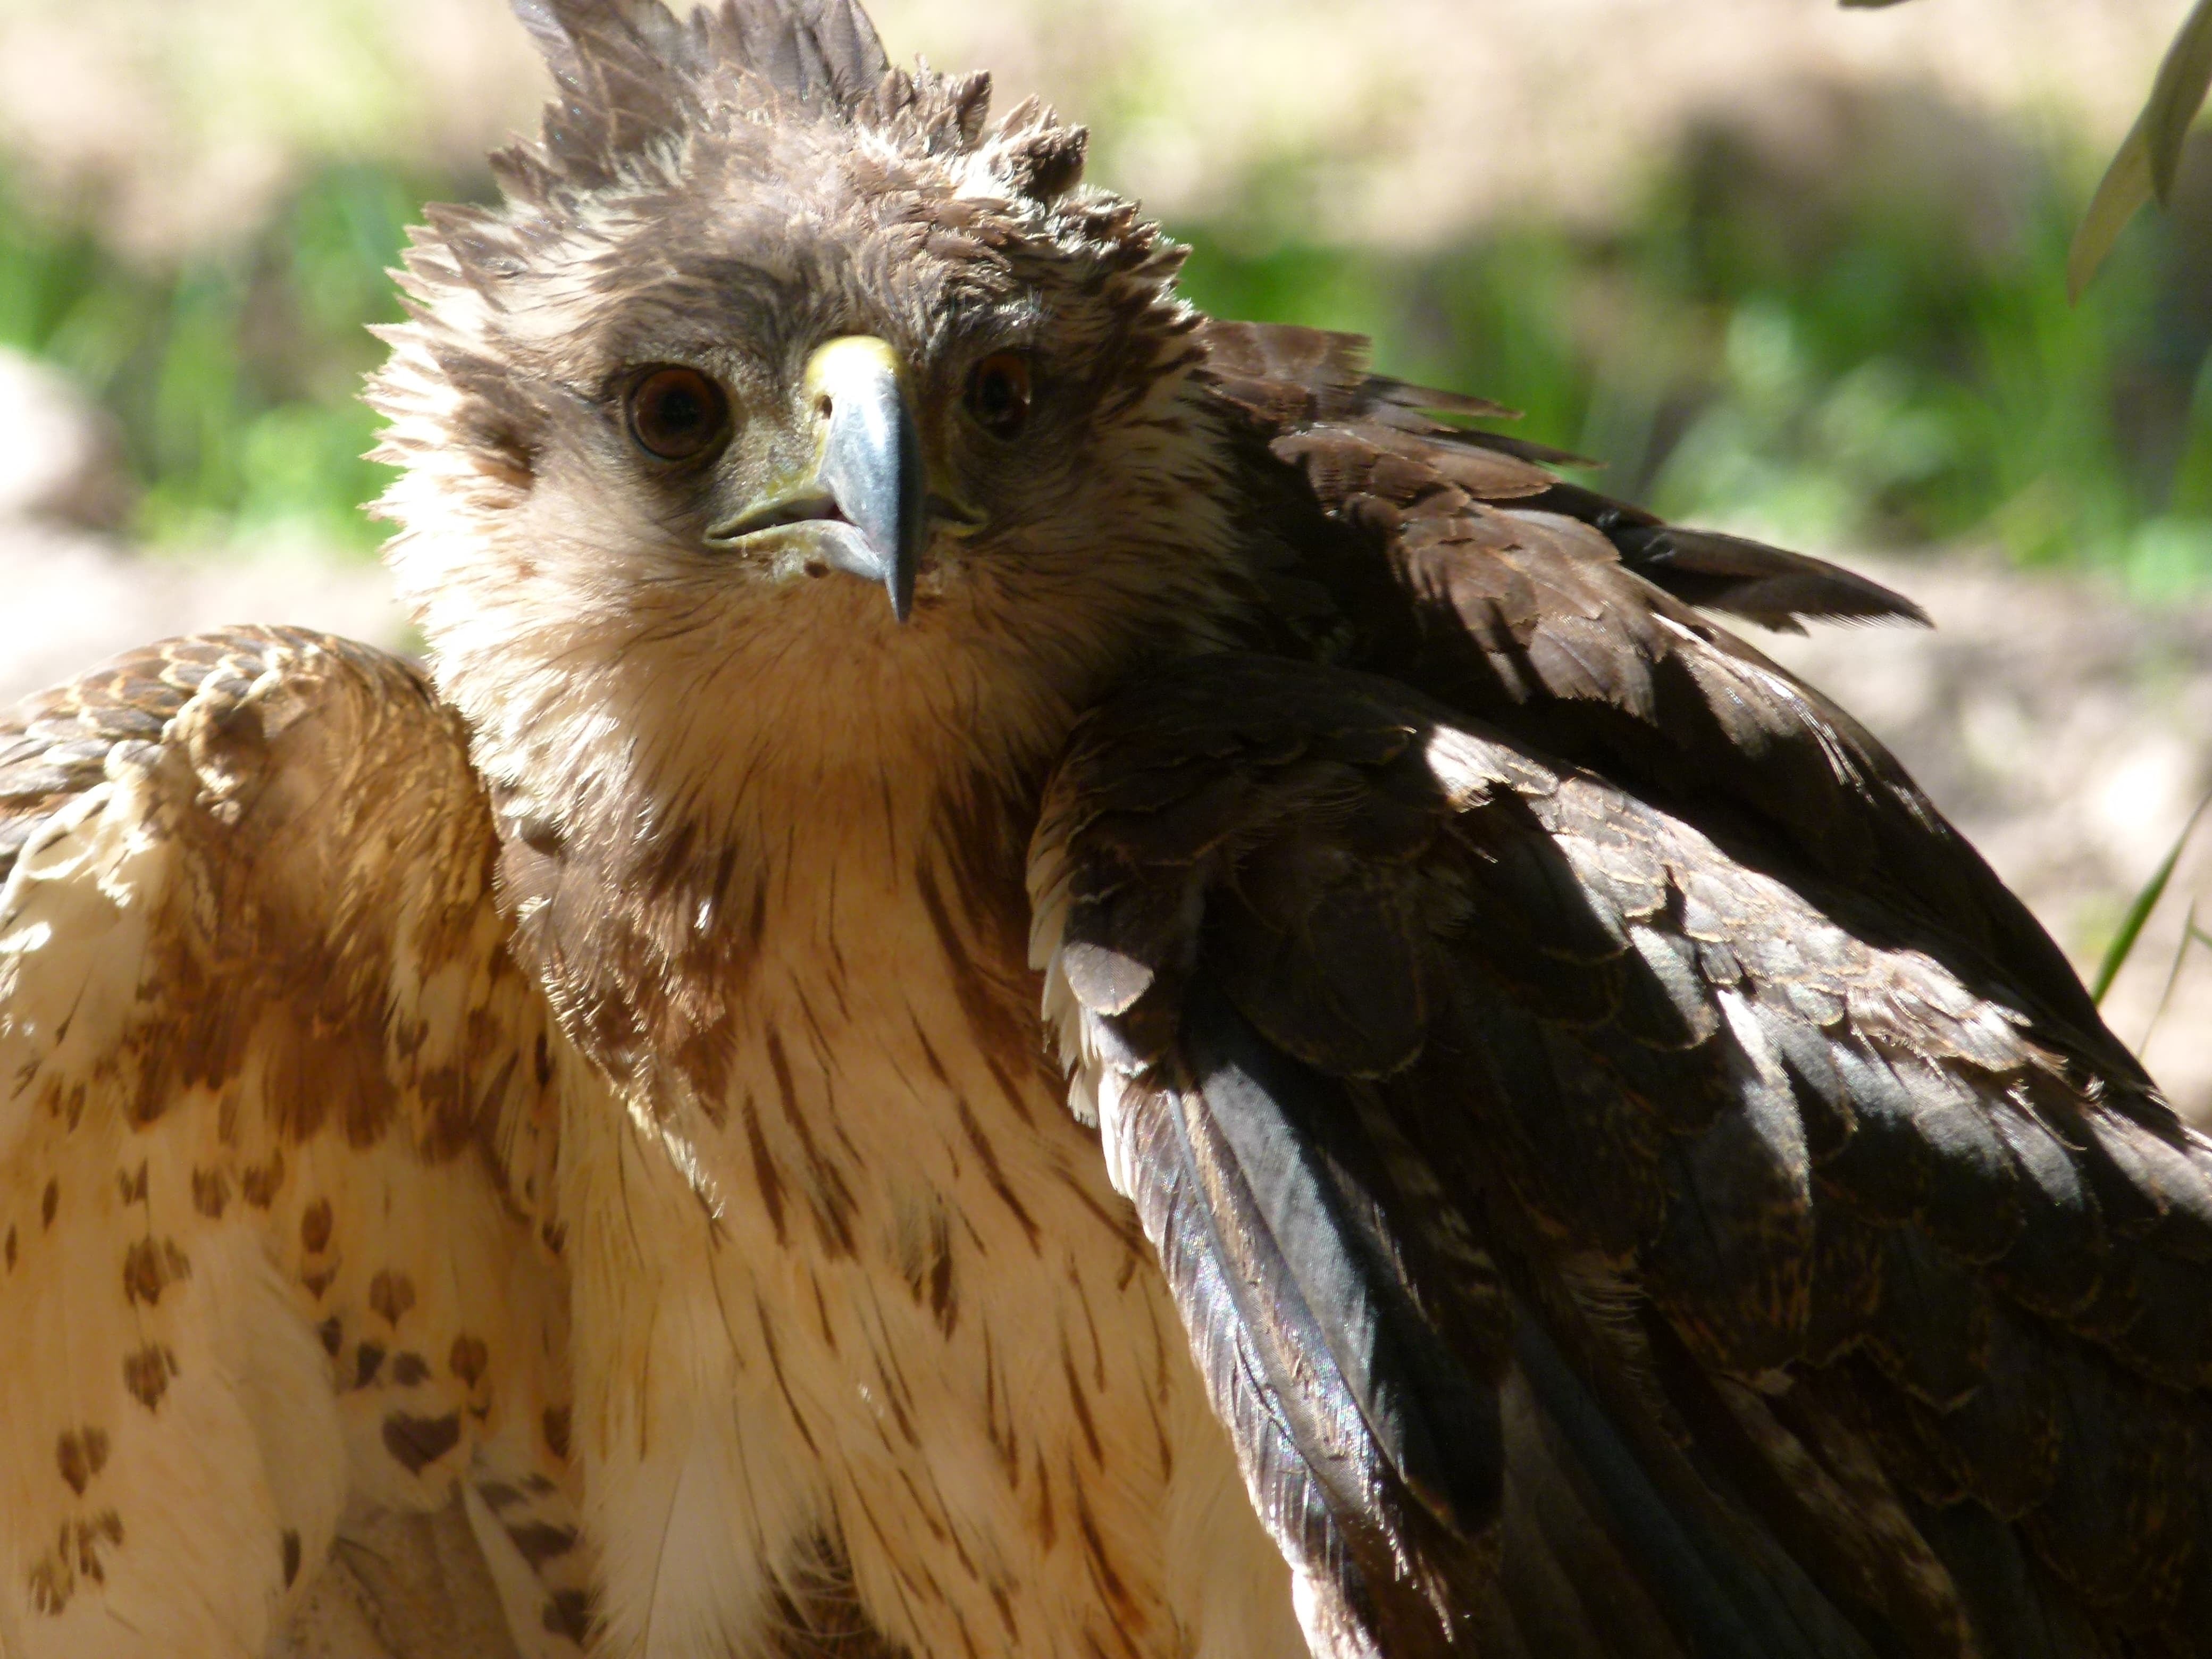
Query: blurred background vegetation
(232, 375)
(1854, 333)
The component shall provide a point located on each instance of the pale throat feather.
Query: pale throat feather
(912, 1233)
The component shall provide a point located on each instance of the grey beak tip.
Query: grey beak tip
(871, 464)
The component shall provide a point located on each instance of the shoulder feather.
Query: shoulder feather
(1464, 569)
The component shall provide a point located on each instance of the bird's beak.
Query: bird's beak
(867, 478)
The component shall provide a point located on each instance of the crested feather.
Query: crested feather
(630, 73)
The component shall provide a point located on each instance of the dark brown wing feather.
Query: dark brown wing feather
(1305, 380)
(1463, 1071)
(1474, 575)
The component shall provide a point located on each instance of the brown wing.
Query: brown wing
(1573, 1216)
(1366, 435)
(275, 1149)
(1457, 564)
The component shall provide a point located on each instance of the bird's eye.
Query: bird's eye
(999, 393)
(675, 414)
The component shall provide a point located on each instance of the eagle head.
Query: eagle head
(789, 410)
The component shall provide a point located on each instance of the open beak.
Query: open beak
(866, 488)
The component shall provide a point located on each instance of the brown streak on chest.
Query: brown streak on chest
(937, 1276)
(764, 1175)
(782, 1383)
(1081, 1402)
(1001, 1031)
(998, 1424)
(1129, 1614)
(994, 1175)
(832, 1200)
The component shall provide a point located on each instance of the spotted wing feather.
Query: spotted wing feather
(277, 1147)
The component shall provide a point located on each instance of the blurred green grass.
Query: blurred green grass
(1873, 358)
(234, 377)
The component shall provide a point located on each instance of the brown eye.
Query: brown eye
(999, 393)
(677, 414)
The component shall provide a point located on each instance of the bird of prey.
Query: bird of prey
(1034, 974)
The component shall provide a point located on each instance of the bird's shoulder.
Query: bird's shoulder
(290, 822)
(1457, 562)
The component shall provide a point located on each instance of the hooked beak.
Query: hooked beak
(867, 481)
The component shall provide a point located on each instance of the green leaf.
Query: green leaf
(2125, 187)
(2190, 934)
(2176, 96)
(2131, 925)
(2150, 155)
